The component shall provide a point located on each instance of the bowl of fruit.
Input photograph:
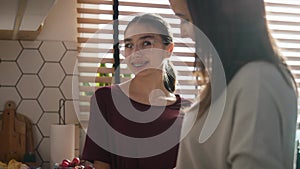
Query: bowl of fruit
(76, 163)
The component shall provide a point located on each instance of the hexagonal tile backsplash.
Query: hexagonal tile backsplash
(49, 78)
(10, 50)
(31, 107)
(30, 61)
(29, 86)
(9, 73)
(36, 75)
(52, 50)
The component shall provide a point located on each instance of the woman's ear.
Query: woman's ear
(170, 48)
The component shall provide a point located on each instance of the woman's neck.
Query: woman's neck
(148, 90)
(145, 84)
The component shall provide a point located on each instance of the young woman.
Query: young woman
(141, 120)
(257, 126)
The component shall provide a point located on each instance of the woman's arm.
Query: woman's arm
(92, 150)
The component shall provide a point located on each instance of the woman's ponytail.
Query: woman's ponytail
(169, 76)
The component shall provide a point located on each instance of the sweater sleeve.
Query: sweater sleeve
(261, 122)
(92, 150)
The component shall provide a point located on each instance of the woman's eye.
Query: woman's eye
(147, 43)
(128, 45)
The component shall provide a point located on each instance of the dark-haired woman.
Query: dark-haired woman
(256, 129)
(143, 114)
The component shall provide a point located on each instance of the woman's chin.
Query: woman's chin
(141, 71)
(147, 72)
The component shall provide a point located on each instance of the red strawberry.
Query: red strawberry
(76, 161)
(66, 163)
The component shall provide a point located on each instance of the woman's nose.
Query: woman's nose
(137, 48)
(137, 52)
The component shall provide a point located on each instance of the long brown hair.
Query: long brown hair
(238, 31)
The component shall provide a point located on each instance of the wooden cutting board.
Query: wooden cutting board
(12, 135)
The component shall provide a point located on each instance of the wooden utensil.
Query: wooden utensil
(12, 135)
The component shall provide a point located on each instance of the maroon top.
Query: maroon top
(171, 115)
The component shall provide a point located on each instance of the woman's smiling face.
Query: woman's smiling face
(144, 48)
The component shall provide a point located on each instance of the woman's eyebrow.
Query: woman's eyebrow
(147, 36)
(143, 37)
(127, 40)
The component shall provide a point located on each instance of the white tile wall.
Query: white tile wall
(67, 87)
(30, 61)
(51, 74)
(9, 73)
(46, 121)
(36, 75)
(70, 45)
(31, 44)
(52, 50)
(69, 62)
(10, 50)
(31, 109)
(9, 94)
(49, 99)
(29, 86)
(71, 115)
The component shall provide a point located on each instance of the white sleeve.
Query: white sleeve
(257, 131)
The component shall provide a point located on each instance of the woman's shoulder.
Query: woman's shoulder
(263, 77)
(263, 67)
(261, 72)
(106, 89)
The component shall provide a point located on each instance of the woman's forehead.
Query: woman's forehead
(139, 29)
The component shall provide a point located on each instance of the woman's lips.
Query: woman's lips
(139, 64)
